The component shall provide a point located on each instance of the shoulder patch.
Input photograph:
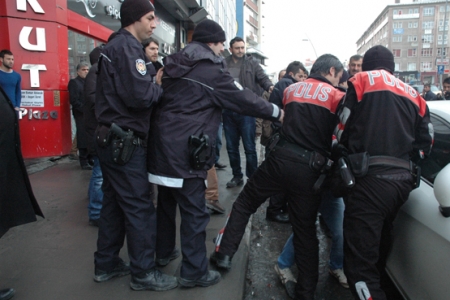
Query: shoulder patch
(141, 67)
(238, 85)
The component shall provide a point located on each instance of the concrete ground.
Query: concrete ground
(53, 257)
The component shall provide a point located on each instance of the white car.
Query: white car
(419, 263)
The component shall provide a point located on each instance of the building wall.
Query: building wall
(416, 34)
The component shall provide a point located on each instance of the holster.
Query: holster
(198, 151)
(102, 136)
(359, 163)
(342, 178)
(123, 144)
(272, 143)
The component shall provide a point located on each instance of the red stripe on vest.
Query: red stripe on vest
(381, 80)
(315, 92)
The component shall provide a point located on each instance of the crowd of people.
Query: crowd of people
(337, 142)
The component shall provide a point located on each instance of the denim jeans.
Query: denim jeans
(219, 142)
(332, 210)
(95, 192)
(235, 127)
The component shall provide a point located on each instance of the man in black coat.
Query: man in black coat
(17, 202)
(76, 96)
(182, 142)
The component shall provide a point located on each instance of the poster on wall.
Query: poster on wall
(32, 98)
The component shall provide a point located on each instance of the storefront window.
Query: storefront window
(79, 48)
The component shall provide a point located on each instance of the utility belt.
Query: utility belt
(123, 142)
(316, 161)
(357, 165)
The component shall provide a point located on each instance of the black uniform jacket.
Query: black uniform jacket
(196, 88)
(17, 202)
(384, 116)
(310, 113)
(125, 91)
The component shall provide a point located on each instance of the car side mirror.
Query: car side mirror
(442, 190)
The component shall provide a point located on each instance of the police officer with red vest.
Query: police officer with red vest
(293, 167)
(384, 123)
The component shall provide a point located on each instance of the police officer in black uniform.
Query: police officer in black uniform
(293, 167)
(124, 99)
(182, 143)
(385, 123)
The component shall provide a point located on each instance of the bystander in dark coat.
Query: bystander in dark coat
(17, 202)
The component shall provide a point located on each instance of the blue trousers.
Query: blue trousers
(95, 192)
(238, 126)
(332, 210)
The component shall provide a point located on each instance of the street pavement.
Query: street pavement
(53, 257)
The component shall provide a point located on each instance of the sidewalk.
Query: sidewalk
(53, 257)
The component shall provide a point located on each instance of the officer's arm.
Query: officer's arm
(230, 95)
(424, 136)
(133, 81)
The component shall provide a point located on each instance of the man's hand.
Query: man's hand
(17, 108)
(270, 89)
(281, 116)
(158, 77)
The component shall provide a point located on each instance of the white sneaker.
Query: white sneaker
(285, 274)
(340, 276)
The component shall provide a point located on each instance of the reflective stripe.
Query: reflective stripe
(276, 111)
(165, 181)
(105, 57)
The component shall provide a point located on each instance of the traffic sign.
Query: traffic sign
(440, 69)
(442, 61)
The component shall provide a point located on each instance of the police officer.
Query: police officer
(293, 167)
(386, 123)
(123, 105)
(182, 141)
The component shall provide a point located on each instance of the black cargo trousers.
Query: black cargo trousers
(370, 209)
(282, 172)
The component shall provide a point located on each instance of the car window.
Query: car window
(434, 89)
(440, 154)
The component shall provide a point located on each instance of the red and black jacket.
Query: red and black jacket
(310, 113)
(382, 115)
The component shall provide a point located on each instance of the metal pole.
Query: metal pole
(313, 44)
(443, 43)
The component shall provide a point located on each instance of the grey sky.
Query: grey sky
(333, 26)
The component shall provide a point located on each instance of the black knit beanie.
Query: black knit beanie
(208, 31)
(133, 10)
(378, 57)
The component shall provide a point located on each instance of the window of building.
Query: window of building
(442, 51)
(397, 67)
(412, 38)
(442, 8)
(398, 25)
(428, 25)
(79, 48)
(397, 39)
(428, 11)
(427, 52)
(412, 52)
(425, 66)
(412, 67)
(413, 24)
(397, 12)
(397, 52)
(441, 25)
(427, 38)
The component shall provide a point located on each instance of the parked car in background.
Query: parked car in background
(433, 88)
(419, 263)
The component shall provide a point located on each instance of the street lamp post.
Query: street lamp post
(443, 43)
(312, 45)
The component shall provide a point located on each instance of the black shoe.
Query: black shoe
(234, 182)
(219, 166)
(121, 269)
(153, 280)
(93, 222)
(6, 294)
(161, 262)
(210, 278)
(222, 261)
(279, 217)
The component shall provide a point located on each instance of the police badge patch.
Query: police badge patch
(141, 67)
(238, 85)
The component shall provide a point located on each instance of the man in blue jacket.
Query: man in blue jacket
(182, 141)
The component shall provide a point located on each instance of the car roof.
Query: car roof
(441, 108)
